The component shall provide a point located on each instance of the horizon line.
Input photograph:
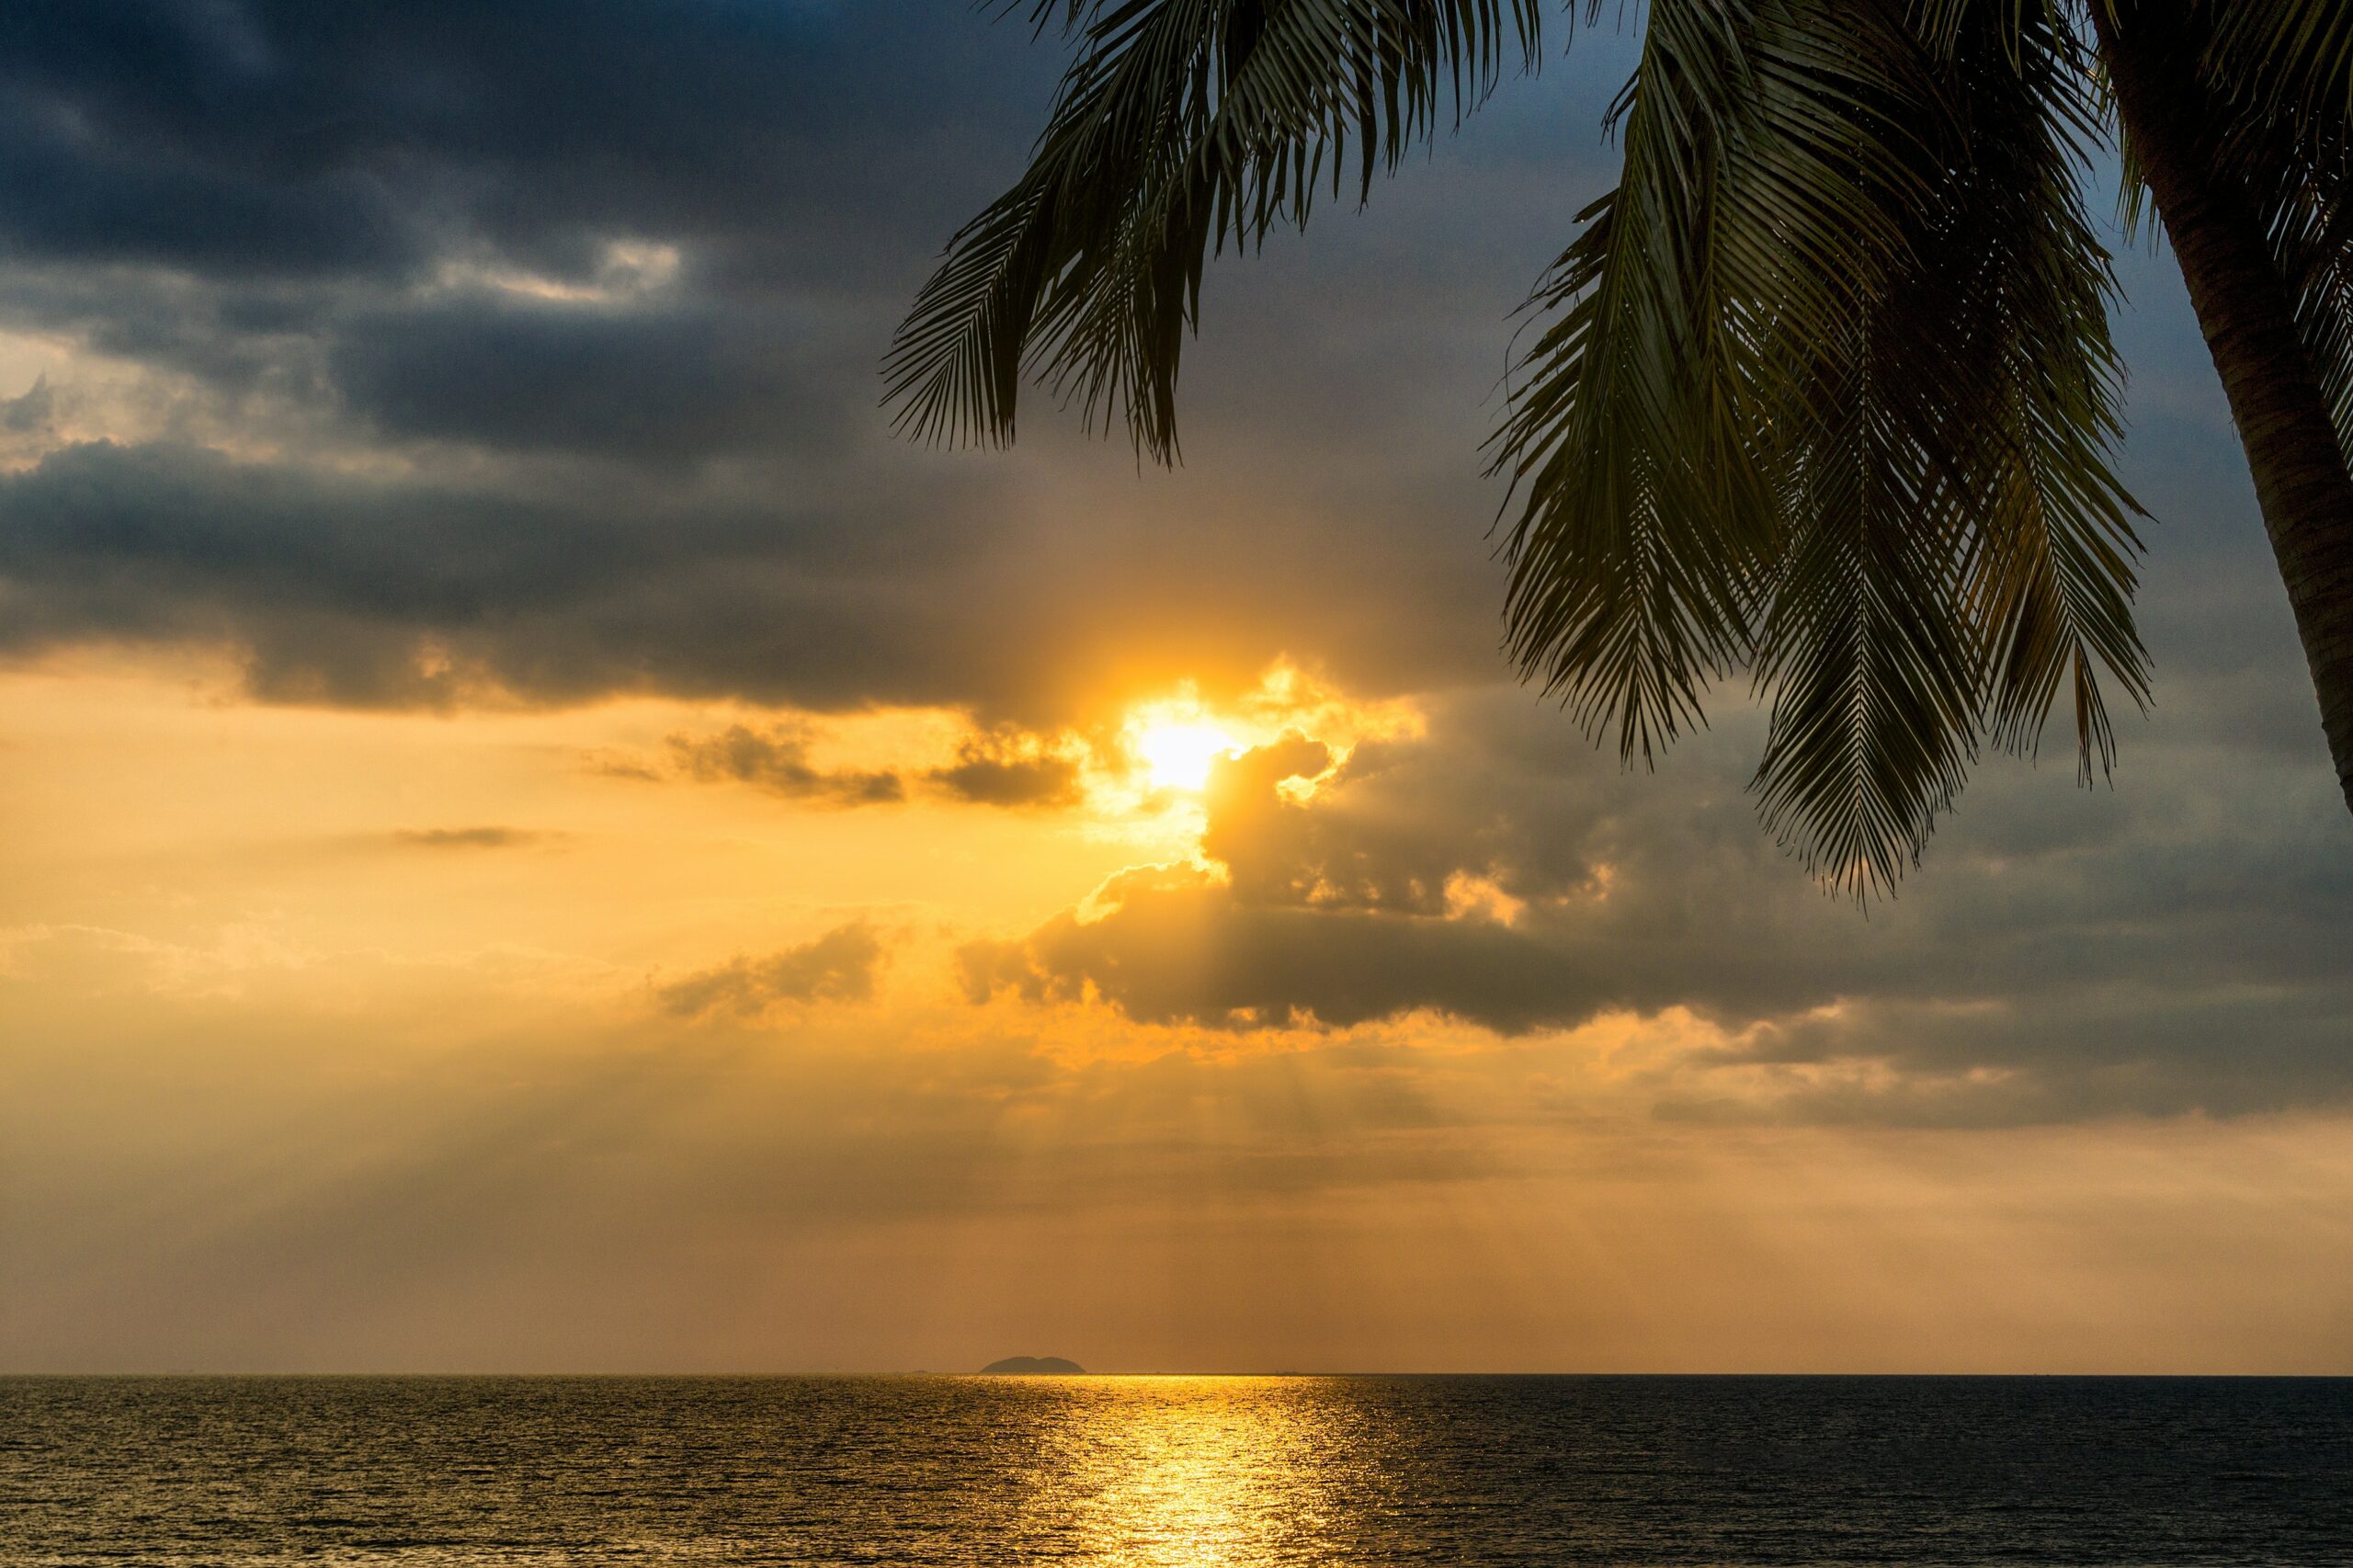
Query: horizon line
(771, 1375)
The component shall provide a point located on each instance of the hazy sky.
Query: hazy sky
(534, 835)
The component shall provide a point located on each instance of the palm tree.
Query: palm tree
(1822, 391)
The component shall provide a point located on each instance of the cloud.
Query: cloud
(1280, 850)
(1334, 907)
(468, 837)
(362, 591)
(1178, 948)
(275, 136)
(357, 586)
(2156, 959)
(1001, 768)
(668, 384)
(777, 760)
(839, 966)
(30, 412)
(619, 1168)
(1002, 771)
(588, 228)
(459, 356)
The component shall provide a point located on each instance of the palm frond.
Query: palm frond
(1981, 557)
(2053, 574)
(1182, 125)
(2278, 74)
(1827, 386)
(2289, 62)
(1765, 158)
(1873, 669)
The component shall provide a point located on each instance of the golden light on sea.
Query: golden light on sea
(1186, 1472)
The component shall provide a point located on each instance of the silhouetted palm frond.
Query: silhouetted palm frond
(1822, 389)
(1182, 125)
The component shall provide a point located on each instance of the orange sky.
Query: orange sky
(365, 1040)
(536, 834)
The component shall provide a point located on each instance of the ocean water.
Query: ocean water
(1176, 1471)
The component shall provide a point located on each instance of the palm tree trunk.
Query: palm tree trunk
(2245, 308)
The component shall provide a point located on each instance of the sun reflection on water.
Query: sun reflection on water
(1155, 1473)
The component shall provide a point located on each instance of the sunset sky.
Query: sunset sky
(535, 835)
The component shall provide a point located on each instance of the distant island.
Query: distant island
(1032, 1367)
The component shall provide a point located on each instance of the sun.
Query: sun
(1176, 755)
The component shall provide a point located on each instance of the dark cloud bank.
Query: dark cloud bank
(564, 322)
(2067, 953)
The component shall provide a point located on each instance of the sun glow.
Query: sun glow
(1176, 754)
(1169, 743)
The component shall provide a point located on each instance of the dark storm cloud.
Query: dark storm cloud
(664, 382)
(777, 760)
(226, 169)
(839, 966)
(567, 320)
(376, 592)
(235, 139)
(30, 413)
(366, 590)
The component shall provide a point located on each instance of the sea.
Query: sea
(1326, 1471)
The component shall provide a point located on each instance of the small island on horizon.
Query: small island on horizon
(1032, 1367)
